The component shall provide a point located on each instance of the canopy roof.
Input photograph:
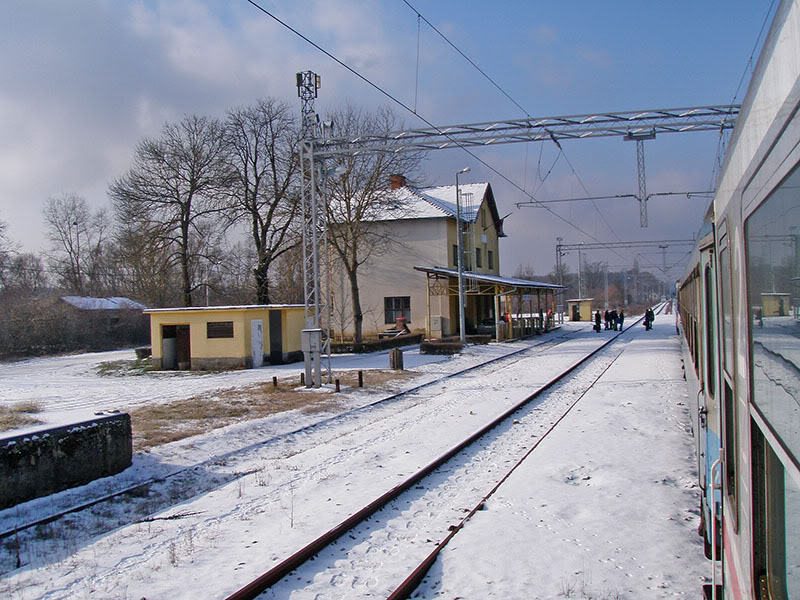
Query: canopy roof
(495, 279)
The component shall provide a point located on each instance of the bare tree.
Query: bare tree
(288, 283)
(362, 196)
(77, 237)
(262, 142)
(145, 272)
(24, 275)
(176, 184)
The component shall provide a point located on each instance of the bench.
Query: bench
(391, 333)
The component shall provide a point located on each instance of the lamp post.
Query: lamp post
(461, 319)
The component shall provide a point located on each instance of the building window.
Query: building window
(478, 259)
(219, 329)
(397, 306)
(455, 255)
(490, 259)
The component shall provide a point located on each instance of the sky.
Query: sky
(82, 82)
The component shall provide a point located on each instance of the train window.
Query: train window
(709, 322)
(773, 276)
(727, 310)
(776, 530)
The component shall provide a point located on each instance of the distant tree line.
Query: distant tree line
(207, 213)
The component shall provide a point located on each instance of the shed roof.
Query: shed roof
(240, 307)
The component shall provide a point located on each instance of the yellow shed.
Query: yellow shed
(225, 337)
(580, 309)
(776, 304)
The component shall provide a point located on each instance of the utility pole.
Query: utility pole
(460, 231)
(580, 274)
(314, 228)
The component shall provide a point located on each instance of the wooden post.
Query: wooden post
(338, 389)
(275, 382)
(302, 378)
(396, 359)
(361, 379)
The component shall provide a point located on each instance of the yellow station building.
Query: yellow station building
(225, 337)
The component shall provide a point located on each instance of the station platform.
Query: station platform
(607, 505)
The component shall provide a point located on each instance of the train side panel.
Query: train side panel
(757, 219)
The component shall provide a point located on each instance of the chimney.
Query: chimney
(397, 181)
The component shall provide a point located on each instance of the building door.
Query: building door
(183, 347)
(275, 337)
(169, 348)
(257, 342)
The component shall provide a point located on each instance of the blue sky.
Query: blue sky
(82, 82)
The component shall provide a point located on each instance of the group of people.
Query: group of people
(613, 320)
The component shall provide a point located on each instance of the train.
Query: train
(739, 318)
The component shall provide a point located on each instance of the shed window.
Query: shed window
(219, 329)
(490, 259)
(455, 255)
(478, 259)
(397, 306)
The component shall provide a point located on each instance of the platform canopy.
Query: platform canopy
(490, 284)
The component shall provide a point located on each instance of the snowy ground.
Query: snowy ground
(605, 507)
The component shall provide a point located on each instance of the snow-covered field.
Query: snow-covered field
(605, 507)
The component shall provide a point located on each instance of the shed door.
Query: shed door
(257, 342)
(183, 347)
(275, 337)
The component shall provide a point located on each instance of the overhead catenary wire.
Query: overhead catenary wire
(716, 168)
(423, 119)
(518, 105)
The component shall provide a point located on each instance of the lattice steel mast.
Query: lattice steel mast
(313, 228)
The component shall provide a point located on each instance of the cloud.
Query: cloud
(544, 34)
(595, 57)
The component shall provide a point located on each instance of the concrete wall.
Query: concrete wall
(49, 461)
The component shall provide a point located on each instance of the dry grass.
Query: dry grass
(18, 415)
(163, 423)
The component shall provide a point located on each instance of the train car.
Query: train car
(739, 303)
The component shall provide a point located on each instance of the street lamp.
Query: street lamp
(461, 319)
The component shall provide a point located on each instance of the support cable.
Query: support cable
(426, 121)
(561, 150)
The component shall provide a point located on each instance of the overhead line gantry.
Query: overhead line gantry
(631, 125)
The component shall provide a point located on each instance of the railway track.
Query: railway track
(226, 459)
(395, 520)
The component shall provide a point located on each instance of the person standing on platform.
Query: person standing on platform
(606, 317)
(597, 321)
(649, 316)
(613, 319)
(620, 318)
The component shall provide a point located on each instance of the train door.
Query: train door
(709, 441)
